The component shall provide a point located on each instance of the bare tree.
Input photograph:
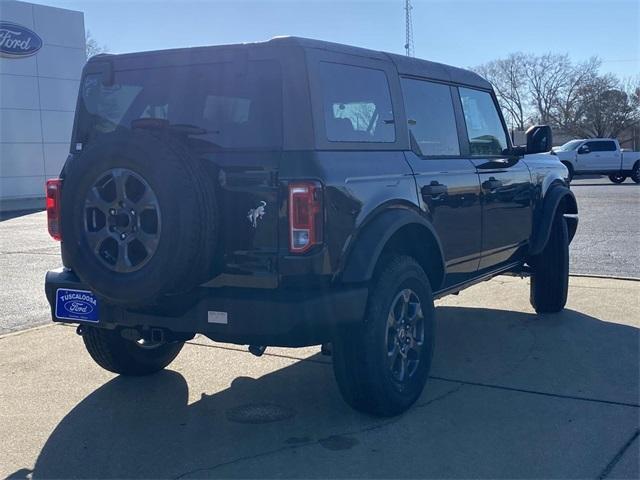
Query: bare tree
(547, 75)
(93, 47)
(608, 106)
(510, 86)
(568, 105)
(551, 89)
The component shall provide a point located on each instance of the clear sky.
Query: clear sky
(461, 33)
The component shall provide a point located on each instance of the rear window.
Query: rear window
(356, 103)
(602, 146)
(226, 105)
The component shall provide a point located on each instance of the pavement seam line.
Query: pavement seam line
(618, 456)
(536, 392)
(265, 354)
(318, 441)
(604, 277)
(444, 379)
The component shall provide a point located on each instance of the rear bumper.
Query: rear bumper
(259, 317)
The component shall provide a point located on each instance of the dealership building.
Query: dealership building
(42, 52)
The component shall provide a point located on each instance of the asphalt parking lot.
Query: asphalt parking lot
(511, 394)
(609, 231)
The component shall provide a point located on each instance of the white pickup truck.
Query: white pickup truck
(601, 156)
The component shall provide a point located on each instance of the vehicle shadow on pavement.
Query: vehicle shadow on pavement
(496, 374)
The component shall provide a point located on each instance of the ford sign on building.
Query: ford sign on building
(42, 52)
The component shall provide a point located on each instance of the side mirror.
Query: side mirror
(584, 149)
(539, 139)
(519, 151)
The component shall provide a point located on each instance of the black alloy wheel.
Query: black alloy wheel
(122, 220)
(617, 178)
(405, 335)
(635, 173)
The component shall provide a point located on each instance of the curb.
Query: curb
(30, 329)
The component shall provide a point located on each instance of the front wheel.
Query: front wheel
(571, 171)
(382, 365)
(550, 270)
(635, 173)
(118, 355)
(617, 178)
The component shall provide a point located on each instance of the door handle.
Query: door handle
(433, 189)
(491, 184)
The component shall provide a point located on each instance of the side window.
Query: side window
(357, 104)
(608, 146)
(432, 123)
(592, 146)
(484, 128)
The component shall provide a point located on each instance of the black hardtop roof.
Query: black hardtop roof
(405, 65)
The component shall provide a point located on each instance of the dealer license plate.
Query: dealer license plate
(76, 305)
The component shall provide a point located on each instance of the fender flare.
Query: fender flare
(362, 257)
(558, 196)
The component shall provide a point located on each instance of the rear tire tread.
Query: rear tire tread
(119, 355)
(550, 277)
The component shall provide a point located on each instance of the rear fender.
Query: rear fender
(368, 246)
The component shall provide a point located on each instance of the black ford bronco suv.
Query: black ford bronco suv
(292, 193)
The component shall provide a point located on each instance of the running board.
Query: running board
(517, 268)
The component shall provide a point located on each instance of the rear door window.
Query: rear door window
(356, 104)
(487, 136)
(432, 123)
(223, 105)
(602, 146)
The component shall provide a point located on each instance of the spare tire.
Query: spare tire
(139, 217)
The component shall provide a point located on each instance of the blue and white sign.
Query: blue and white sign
(17, 41)
(76, 305)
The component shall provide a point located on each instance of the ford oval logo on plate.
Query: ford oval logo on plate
(76, 305)
(17, 41)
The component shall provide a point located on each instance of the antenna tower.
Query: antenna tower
(408, 46)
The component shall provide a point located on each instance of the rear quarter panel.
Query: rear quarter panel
(357, 185)
(629, 159)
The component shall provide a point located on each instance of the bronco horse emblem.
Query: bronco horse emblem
(256, 213)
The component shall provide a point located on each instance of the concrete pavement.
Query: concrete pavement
(511, 395)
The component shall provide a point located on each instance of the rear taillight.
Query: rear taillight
(305, 216)
(54, 191)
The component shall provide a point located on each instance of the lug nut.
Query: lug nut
(112, 211)
(123, 236)
(132, 212)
